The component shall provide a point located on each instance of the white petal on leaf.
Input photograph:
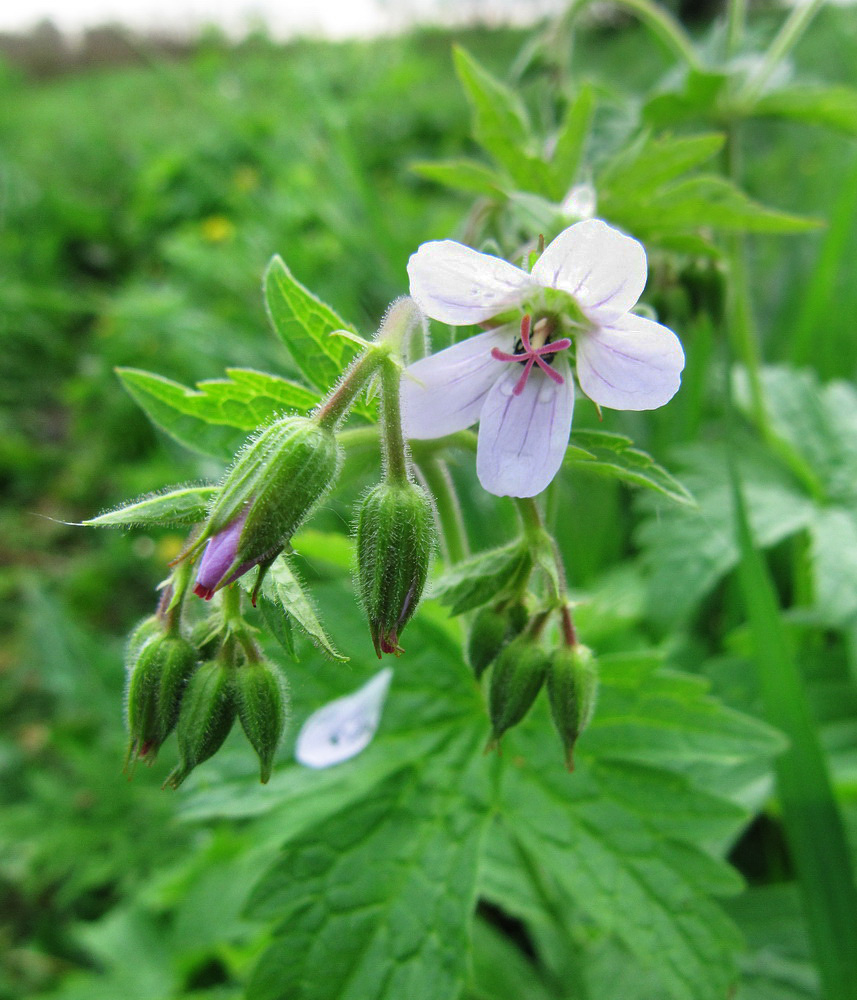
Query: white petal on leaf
(455, 284)
(632, 364)
(523, 439)
(602, 268)
(342, 728)
(445, 392)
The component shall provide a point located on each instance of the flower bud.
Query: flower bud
(262, 698)
(277, 479)
(395, 536)
(143, 631)
(206, 717)
(492, 628)
(156, 684)
(516, 679)
(572, 688)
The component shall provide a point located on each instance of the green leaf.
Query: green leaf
(501, 970)
(377, 901)
(641, 168)
(279, 624)
(282, 587)
(832, 107)
(688, 552)
(698, 202)
(305, 324)
(462, 175)
(614, 455)
(570, 142)
(489, 575)
(215, 417)
(697, 97)
(500, 123)
(185, 505)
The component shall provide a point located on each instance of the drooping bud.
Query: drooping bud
(517, 676)
(395, 537)
(277, 478)
(262, 699)
(492, 628)
(572, 689)
(156, 684)
(206, 717)
(143, 631)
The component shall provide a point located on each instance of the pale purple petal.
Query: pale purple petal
(344, 727)
(522, 439)
(455, 284)
(632, 364)
(219, 555)
(445, 392)
(602, 268)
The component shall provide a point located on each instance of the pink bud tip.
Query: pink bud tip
(206, 593)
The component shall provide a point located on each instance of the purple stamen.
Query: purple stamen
(532, 356)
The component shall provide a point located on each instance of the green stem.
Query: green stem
(340, 399)
(736, 20)
(392, 440)
(452, 533)
(787, 37)
(666, 27)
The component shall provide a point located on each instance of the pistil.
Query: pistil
(532, 356)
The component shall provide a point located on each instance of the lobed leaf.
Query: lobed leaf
(185, 505)
(570, 142)
(462, 175)
(645, 166)
(832, 107)
(486, 576)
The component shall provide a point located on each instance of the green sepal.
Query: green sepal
(207, 714)
(516, 679)
(572, 684)
(262, 700)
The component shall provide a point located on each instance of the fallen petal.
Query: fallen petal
(632, 364)
(523, 439)
(341, 729)
(445, 392)
(602, 268)
(455, 284)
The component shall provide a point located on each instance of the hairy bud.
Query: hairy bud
(492, 628)
(206, 717)
(572, 688)
(395, 536)
(277, 479)
(155, 688)
(517, 676)
(262, 699)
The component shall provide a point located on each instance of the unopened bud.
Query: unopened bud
(206, 717)
(143, 631)
(516, 679)
(277, 478)
(395, 537)
(155, 688)
(492, 628)
(262, 698)
(572, 689)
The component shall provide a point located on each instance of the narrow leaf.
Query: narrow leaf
(643, 168)
(831, 107)
(185, 505)
(570, 142)
(462, 175)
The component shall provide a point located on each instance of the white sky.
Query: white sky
(334, 18)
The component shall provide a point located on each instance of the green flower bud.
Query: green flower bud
(572, 689)
(492, 628)
(143, 631)
(278, 477)
(262, 698)
(206, 717)
(516, 679)
(155, 687)
(395, 537)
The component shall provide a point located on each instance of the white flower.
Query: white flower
(342, 728)
(516, 379)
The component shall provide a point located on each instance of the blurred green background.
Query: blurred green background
(139, 206)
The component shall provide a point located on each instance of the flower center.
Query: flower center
(541, 355)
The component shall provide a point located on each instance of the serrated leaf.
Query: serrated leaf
(282, 587)
(462, 175)
(641, 168)
(305, 324)
(378, 900)
(614, 455)
(833, 107)
(500, 123)
(185, 505)
(486, 576)
(570, 142)
(215, 417)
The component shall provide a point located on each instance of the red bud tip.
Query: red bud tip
(206, 593)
